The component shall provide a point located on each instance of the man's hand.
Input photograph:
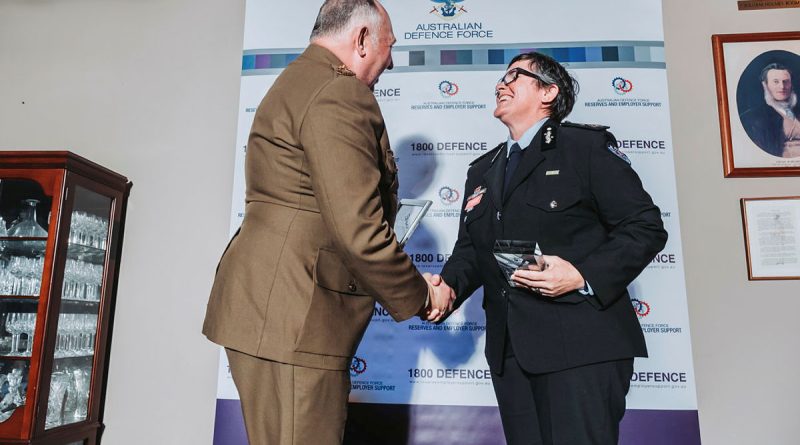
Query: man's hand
(558, 277)
(440, 299)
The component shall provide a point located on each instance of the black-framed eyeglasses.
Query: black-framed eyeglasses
(511, 75)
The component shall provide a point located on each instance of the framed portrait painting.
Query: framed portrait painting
(758, 82)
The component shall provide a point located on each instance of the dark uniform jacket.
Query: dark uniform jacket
(582, 202)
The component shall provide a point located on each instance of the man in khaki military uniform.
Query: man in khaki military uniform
(296, 287)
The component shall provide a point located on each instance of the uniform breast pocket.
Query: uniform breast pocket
(559, 213)
(554, 199)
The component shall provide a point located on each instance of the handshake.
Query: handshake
(440, 299)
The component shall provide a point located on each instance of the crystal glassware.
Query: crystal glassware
(3, 232)
(14, 327)
(59, 384)
(76, 405)
(26, 225)
(29, 326)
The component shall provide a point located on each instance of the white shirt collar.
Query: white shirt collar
(527, 137)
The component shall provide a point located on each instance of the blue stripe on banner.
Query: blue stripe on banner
(579, 54)
(612, 54)
(248, 62)
(594, 54)
(385, 424)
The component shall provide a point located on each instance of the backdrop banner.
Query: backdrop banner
(419, 383)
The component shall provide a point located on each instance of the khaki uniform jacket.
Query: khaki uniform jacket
(298, 283)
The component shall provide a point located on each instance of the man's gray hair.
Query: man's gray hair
(773, 66)
(337, 16)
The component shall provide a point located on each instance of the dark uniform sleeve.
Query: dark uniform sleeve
(635, 230)
(461, 270)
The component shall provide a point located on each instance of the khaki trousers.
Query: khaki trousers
(290, 405)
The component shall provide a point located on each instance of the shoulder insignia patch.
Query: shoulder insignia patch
(616, 151)
(343, 70)
(593, 127)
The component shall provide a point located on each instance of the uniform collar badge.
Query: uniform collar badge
(343, 70)
(549, 137)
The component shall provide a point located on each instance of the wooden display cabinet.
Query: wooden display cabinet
(61, 226)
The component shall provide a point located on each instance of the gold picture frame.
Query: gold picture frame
(772, 237)
(749, 124)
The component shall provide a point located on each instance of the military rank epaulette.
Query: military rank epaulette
(495, 151)
(343, 70)
(611, 141)
(594, 127)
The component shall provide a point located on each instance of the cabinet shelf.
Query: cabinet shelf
(76, 356)
(29, 298)
(73, 302)
(84, 253)
(15, 357)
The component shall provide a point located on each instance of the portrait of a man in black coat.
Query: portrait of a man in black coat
(773, 123)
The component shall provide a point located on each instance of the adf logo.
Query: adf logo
(448, 9)
(447, 88)
(641, 307)
(358, 366)
(448, 195)
(622, 86)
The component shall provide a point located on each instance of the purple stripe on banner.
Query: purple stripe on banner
(448, 57)
(229, 424)
(659, 427)
(370, 424)
(263, 61)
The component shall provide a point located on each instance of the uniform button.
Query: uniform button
(498, 216)
(553, 204)
(504, 292)
(352, 286)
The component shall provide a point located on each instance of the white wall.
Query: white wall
(150, 89)
(744, 334)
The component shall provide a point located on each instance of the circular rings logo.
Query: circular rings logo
(448, 195)
(641, 307)
(358, 366)
(622, 86)
(447, 88)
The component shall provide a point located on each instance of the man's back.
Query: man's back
(321, 186)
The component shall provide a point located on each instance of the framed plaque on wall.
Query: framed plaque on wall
(772, 237)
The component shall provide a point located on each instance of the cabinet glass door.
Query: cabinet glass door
(82, 289)
(24, 222)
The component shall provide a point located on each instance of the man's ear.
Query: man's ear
(363, 35)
